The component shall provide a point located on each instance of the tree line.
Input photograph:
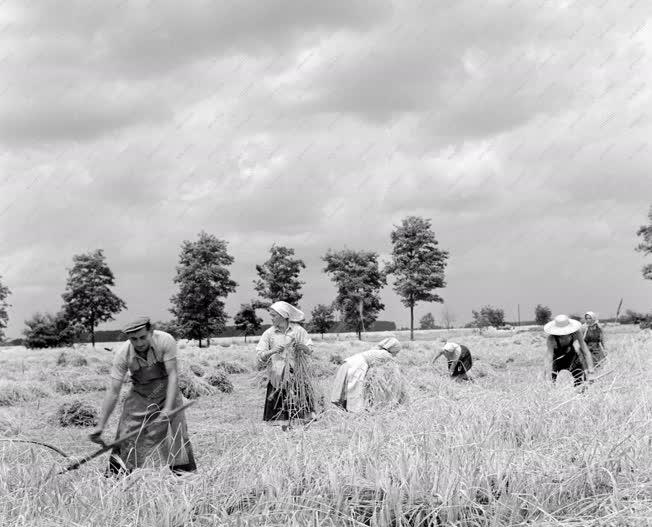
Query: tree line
(417, 267)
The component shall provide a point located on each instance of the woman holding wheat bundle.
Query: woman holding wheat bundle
(284, 348)
(594, 337)
(349, 384)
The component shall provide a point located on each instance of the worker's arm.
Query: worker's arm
(173, 386)
(437, 356)
(110, 399)
(588, 359)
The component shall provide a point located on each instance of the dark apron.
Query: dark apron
(566, 358)
(160, 444)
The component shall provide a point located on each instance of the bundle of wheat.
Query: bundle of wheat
(385, 386)
(232, 367)
(71, 358)
(192, 386)
(218, 379)
(76, 413)
(297, 385)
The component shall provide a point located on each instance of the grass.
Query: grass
(508, 449)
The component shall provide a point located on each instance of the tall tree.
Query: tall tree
(279, 276)
(645, 232)
(489, 316)
(49, 331)
(204, 280)
(88, 299)
(417, 263)
(323, 319)
(542, 314)
(359, 279)
(4, 313)
(427, 321)
(246, 320)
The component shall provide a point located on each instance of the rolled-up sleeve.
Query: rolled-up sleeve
(264, 344)
(168, 347)
(119, 367)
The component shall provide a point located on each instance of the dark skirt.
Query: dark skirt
(463, 365)
(279, 407)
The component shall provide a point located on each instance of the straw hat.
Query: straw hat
(562, 325)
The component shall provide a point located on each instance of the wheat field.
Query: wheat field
(508, 449)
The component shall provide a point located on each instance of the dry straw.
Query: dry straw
(297, 384)
(77, 413)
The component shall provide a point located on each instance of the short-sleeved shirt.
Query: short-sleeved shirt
(272, 337)
(163, 348)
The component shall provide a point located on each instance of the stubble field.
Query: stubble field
(508, 449)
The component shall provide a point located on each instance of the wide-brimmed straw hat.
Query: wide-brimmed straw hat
(562, 325)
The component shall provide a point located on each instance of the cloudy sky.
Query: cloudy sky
(520, 128)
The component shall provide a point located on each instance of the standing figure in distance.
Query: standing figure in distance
(150, 356)
(594, 338)
(349, 383)
(459, 360)
(566, 349)
(280, 347)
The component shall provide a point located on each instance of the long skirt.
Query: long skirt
(597, 353)
(160, 444)
(348, 387)
(279, 406)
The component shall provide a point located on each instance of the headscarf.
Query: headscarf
(593, 316)
(288, 311)
(390, 344)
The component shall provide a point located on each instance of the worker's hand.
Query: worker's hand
(276, 349)
(96, 436)
(163, 416)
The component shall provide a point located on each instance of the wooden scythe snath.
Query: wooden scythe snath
(109, 446)
(105, 446)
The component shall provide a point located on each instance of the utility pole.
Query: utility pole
(518, 307)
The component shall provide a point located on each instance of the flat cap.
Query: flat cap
(135, 325)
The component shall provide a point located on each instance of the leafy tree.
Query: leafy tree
(246, 319)
(88, 299)
(4, 314)
(49, 331)
(323, 319)
(279, 276)
(645, 232)
(488, 316)
(204, 280)
(417, 263)
(427, 321)
(542, 314)
(359, 280)
(170, 327)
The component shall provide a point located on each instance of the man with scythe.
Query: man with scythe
(150, 356)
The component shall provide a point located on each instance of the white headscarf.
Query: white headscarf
(593, 316)
(288, 311)
(390, 344)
